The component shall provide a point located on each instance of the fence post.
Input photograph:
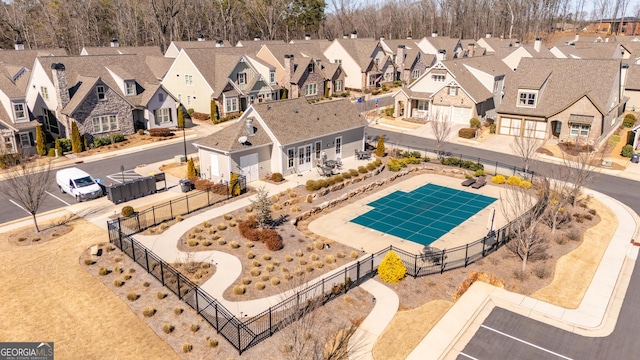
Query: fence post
(415, 266)
(270, 322)
(466, 255)
(138, 221)
(484, 244)
(358, 271)
(179, 292)
(146, 258)
(162, 271)
(120, 233)
(496, 171)
(442, 261)
(133, 251)
(346, 285)
(323, 297)
(153, 210)
(372, 265)
(208, 198)
(197, 307)
(239, 344)
(170, 209)
(215, 306)
(186, 199)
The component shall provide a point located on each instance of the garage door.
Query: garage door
(535, 129)
(461, 115)
(249, 166)
(215, 170)
(510, 126)
(440, 112)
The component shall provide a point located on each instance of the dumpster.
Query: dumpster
(635, 158)
(185, 185)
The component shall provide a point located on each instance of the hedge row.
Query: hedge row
(397, 164)
(313, 185)
(511, 180)
(465, 164)
(108, 140)
(160, 132)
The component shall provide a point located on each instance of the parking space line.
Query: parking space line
(525, 342)
(16, 204)
(66, 203)
(467, 356)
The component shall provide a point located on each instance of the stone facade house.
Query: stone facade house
(566, 99)
(409, 60)
(287, 137)
(363, 61)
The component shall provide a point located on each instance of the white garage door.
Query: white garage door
(461, 115)
(535, 129)
(249, 166)
(440, 112)
(510, 126)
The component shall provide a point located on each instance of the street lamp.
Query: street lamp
(184, 142)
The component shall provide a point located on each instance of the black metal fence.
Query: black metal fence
(247, 332)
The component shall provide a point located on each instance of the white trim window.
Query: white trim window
(453, 91)
(291, 156)
(130, 88)
(100, 92)
(338, 86)
(25, 140)
(105, 123)
(20, 111)
(241, 78)
(272, 76)
(231, 105)
(338, 146)
(188, 100)
(527, 98)
(44, 92)
(423, 105)
(415, 73)
(311, 89)
(188, 80)
(437, 78)
(579, 129)
(162, 116)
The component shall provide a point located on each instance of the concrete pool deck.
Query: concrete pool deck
(337, 225)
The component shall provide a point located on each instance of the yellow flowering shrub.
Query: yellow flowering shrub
(525, 184)
(498, 179)
(514, 181)
(391, 269)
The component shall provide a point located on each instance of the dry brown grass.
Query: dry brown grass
(407, 329)
(48, 296)
(575, 270)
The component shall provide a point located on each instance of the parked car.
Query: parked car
(78, 184)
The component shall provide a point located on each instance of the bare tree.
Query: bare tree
(441, 129)
(554, 186)
(27, 185)
(526, 146)
(582, 167)
(528, 240)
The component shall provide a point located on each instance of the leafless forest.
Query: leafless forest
(72, 24)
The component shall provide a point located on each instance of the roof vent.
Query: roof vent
(242, 140)
(248, 124)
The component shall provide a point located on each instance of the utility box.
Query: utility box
(179, 159)
(185, 185)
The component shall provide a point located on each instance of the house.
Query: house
(632, 86)
(303, 70)
(511, 51)
(592, 50)
(102, 94)
(566, 99)
(17, 118)
(286, 137)
(454, 90)
(410, 61)
(625, 25)
(447, 47)
(233, 77)
(174, 48)
(114, 48)
(364, 62)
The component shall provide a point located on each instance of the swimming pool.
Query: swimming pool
(424, 214)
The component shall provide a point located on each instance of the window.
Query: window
(161, 97)
(377, 61)
(290, 158)
(527, 98)
(179, 97)
(338, 61)
(8, 143)
(338, 85)
(453, 91)
(100, 92)
(162, 115)
(318, 149)
(50, 124)
(19, 111)
(338, 146)
(310, 68)
(437, 78)
(130, 88)
(44, 92)
(188, 80)
(423, 105)
(25, 141)
(231, 105)
(415, 74)
(580, 130)
(105, 123)
(242, 78)
(311, 89)
(272, 76)
(188, 99)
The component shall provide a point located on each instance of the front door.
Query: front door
(249, 166)
(304, 157)
(338, 147)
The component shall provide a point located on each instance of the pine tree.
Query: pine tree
(180, 118)
(392, 269)
(214, 112)
(41, 146)
(59, 147)
(284, 94)
(380, 147)
(76, 141)
(191, 169)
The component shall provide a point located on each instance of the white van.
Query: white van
(78, 184)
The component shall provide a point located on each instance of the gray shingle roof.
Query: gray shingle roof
(633, 77)
(26, 58)
(608, 50)
(107, 50)
(227, 139)
(444, 42)
(463, 76)
(215, 64)
(360, 50)
(560, 83)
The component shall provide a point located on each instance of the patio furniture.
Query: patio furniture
(325, 170)
(331, 163)
(363, 155)
(482, 181)
(431, 255)
(469, 182)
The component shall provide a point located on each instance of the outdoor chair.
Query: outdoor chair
(482, 181)
(469, 182)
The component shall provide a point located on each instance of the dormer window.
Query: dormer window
(527, 98)
(453, 91)
(415, 74)
(100, 92)
(310, 68)
(242, 78)
(19, 111)
(272, 76)
(130, 88)
(44, 92)
(437, 78)
(377, 62)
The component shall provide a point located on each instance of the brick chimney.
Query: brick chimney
(345, 36)
(289, 69)
(471, 49)
(59, 75)
(400, 61)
